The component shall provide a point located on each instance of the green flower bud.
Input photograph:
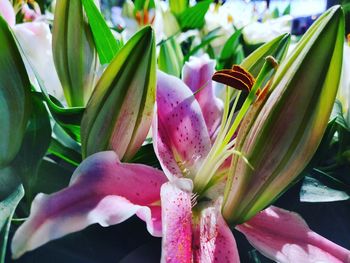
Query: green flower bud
(280, 139)
(119, 114)
(74, 52)
(170, 57)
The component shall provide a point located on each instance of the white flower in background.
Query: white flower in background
(243, 12)
(219, 16)
(131, 22)
(258, 32)
(35, 39)
(170, 24)
(227, 16)
(7, 12)
(344, 88)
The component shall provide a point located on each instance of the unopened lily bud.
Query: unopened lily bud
(170, 59)
(74, 52)
(118, 116)
(279, 141)
(14, 96)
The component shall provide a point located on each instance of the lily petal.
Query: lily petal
(213, 239)
(7, 12)
(197, 75)
(177, 222)
(181, 137)
(35, 39)
(102, 190)
(285, 237)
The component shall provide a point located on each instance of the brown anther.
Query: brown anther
(348, 38)
(237, 78)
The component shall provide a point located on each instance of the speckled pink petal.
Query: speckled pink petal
(102, 190)
(180, 134)
(7, 12)
(176, 223)
(213, 239)
(197, 75)
(285, 237)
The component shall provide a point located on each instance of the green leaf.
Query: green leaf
(35, 144)
(211, 52)
(146, 155)
(170, 59)
(119, 113)
(107, 46)
(239, 55)
(52, 177)
(229, 51)
(287, 10)
(60, 150)
(178, 6)
(68, 118)
(193, 17)
(277, 48)
(275, 13)
(206, 40)
(11, 192)
(14, 96)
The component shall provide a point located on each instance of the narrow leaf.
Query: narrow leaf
(229, 50)
(193, 17)
(206, 40)
(107, 46)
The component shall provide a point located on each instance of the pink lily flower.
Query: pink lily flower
(193, 227)
(103, 190)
